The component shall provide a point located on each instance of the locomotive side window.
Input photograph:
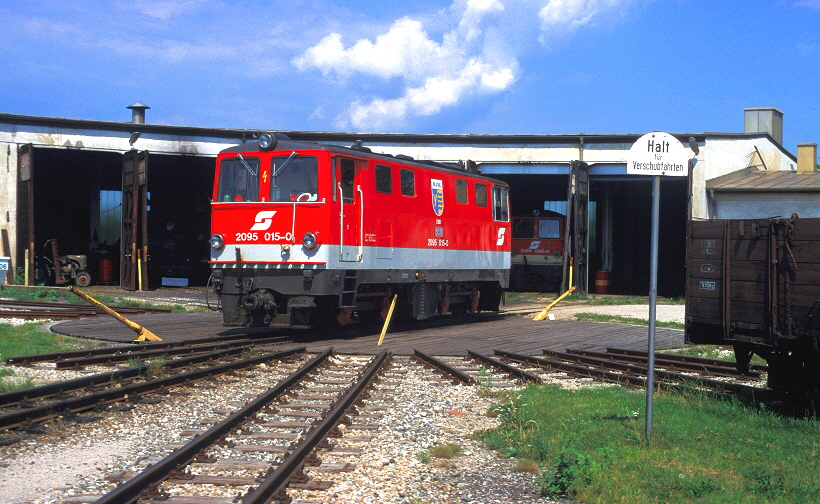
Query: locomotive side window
(549, 229)
(294, 179)
(500, 208)
(522, 228)
(348, 174)
(238, 180)
(480, 195)
(333, 179)
(408, 183)
(384, 179)
(461, 191)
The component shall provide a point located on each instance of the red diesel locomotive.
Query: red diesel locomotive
(537, 252)
(310, 235)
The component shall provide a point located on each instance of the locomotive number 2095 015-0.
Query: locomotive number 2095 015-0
(268, 237)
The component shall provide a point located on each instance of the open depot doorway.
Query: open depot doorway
(75, 197)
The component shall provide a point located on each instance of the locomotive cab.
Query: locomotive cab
(537, 252)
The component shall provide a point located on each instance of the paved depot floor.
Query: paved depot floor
(440, 336)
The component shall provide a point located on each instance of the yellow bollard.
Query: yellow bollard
(143, 333)
(387, 320)
(543, 313)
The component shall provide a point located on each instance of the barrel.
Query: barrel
(602, 282)
(106, 271)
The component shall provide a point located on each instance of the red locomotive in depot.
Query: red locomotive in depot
(310, 235)
(537, 252)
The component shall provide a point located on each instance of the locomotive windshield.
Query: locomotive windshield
(238, 180)
(549, 229)
(294, 180)
(522, 228)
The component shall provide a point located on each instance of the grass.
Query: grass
(588, 299)
(27, 339)
(62, 295)
(590, 445)
(617, 319)
(719, 352)
(441, 455)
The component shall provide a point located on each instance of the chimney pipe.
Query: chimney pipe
(806, 157)
(764, 120)
(138, 112)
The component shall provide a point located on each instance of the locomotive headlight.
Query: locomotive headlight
(265, 140)
(217, 242)
(311, 240)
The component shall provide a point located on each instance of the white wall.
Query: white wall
(739, 205)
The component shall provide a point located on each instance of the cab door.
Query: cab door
(352, 209)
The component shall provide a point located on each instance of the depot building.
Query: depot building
(133, 194)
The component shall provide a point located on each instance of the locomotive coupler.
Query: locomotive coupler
(260, 300)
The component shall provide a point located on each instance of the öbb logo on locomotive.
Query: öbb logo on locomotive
(379, 237)
(263, 220)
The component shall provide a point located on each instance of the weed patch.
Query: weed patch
(591, 445)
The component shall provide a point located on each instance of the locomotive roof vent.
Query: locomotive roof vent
(357, 145)
(469, 166)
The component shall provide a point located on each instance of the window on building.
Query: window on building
(110, 217)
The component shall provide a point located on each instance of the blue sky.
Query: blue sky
(418, 66)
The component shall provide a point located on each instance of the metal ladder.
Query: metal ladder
(348, 298)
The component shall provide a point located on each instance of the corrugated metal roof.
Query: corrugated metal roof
(753, 180)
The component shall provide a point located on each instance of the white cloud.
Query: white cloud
(477, 55)
(404, 50)
(434, 94)
(435, 74)
(475, 11)
(567, 15)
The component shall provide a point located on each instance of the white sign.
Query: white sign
(658, 154)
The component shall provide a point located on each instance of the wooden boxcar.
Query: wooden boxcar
(755, 284)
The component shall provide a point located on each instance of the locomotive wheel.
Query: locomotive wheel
(83, 279)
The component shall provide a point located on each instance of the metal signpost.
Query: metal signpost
(656, 154)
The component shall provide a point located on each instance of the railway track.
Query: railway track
(630, 368)
(25, 407)
(265, 444)
(282, 425)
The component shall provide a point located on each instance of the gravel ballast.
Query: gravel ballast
(73, 459)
